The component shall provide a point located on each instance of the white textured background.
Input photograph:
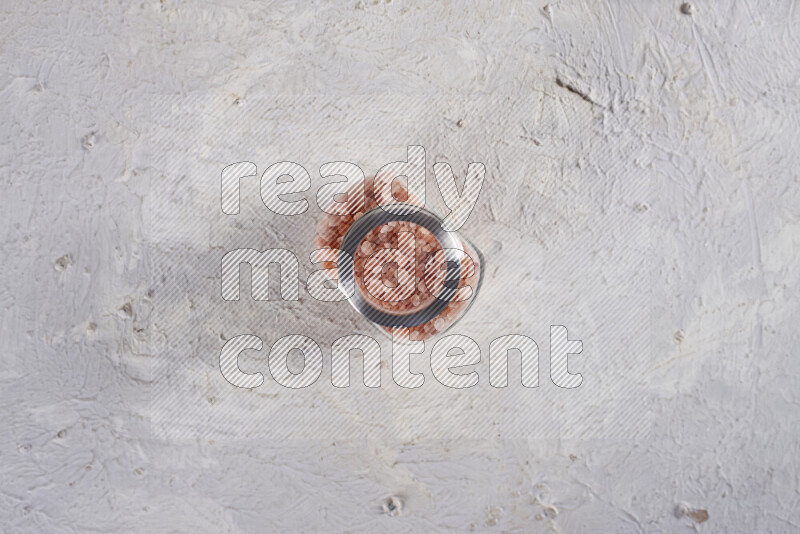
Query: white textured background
(82, 87)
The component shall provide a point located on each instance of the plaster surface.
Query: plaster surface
(684, 117)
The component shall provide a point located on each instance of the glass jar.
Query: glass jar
(403, 268)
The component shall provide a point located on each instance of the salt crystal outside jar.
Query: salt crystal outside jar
(407, 271)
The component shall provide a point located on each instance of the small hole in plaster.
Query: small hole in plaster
(678, 336)
(89, 141)
(63, 263)
(126, 310)
(393, 506)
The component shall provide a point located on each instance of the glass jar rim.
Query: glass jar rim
(450, 244)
